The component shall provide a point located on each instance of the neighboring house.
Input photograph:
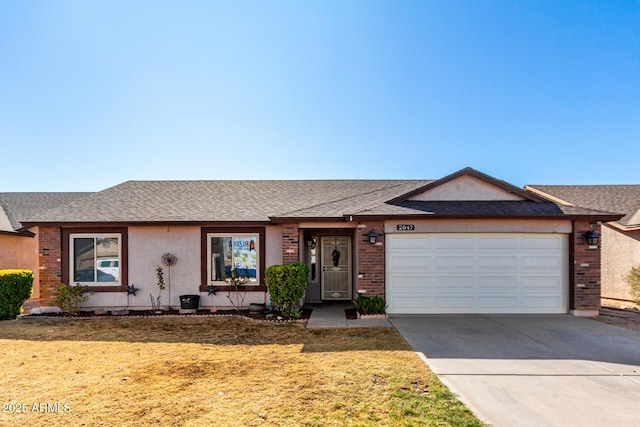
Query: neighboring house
(620, 239)
(466, 243)
(19, 247)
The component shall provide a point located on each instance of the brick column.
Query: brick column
(585, 276)
(49, 260)
(290, 243)
(371, 267)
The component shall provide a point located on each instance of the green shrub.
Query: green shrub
(16, 286)
(70, 297)
(633, 279)
(370, 305)
(287, 284)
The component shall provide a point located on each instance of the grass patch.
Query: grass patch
(225, 371)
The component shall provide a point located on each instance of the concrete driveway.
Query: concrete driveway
(533, 370)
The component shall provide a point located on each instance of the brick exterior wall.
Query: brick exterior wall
(584, 280)
(50, 256)
(290, 243)
(371, 260)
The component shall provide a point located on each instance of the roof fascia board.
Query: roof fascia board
(603, 218)
(18, 233)
(148, 223)
(547, 196)
(285, 219)
(624, 228)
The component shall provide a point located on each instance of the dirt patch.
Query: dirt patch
(625, 317)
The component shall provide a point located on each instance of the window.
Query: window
(228, 251)
(95, 259)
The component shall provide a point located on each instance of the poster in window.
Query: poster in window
(245, 256)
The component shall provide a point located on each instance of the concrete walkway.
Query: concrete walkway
(332, 315)
(533, 370)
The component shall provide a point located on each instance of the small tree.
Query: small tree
(633, 279)
(69, 298)
(155, 302)
(239, 293)
(287, 284)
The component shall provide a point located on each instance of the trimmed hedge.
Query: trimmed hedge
(16, 286)
(287, 284)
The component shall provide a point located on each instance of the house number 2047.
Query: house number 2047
(406, 227)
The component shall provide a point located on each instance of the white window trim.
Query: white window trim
(253, 282)
(93, 236)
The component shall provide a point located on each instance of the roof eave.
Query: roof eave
(622, 227)
(17, 233)
(603, 218)
(285, 219)
(145, 223)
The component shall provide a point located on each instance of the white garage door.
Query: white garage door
(476, 273)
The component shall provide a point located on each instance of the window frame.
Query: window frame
(68, 257)
(208, 233)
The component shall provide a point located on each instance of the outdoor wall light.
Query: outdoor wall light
(592, 237)
(372, 236)
(311, 242)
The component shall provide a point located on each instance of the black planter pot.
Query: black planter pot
(189, 302)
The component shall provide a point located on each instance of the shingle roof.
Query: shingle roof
(624, 199)
(519, 208)
(214, 201)
(264, 201)
(17, 207)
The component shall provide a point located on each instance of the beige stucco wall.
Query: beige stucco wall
(620, 252)
(466, 188)
(481, 226)
(19, 252)
(147, 244)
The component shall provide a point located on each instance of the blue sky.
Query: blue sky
(94, 93)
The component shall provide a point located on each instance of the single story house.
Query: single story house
(19, 247)
(465, 243)
(620, 239)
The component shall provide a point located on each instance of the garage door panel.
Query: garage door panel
(465, 303)
(542, 282)
(410, 262)
(497, 302)
(477, 273)
(411, 243)
(452, 282)
(502, 283)
(541, 302)
(537, 263)
(506, 243)
(410, 305)
(498, 263)
(454, 263)
(541, 242)
(413, 282)
(454, 243)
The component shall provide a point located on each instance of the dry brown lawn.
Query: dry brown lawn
(214, 371)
